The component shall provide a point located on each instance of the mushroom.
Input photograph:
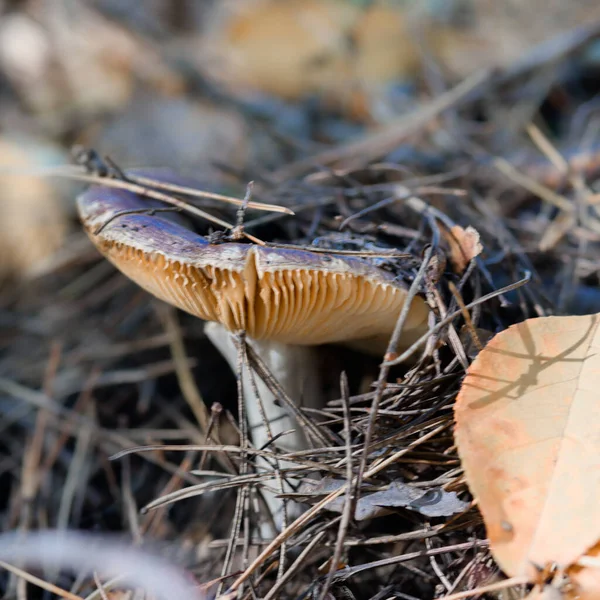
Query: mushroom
(286, 300)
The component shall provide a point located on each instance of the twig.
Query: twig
(410, 351)
(216, 410)
(134, 211)
(242, 491)
(241, 212)
(394, 560)
(358, 253)
(188, 386)
(310, 513)
(384, 369)
(153, 194)
(100, 587)
(130, 506)
(45, 585)
(294, 566)
(466, 316)
(350, 498)
(484, 589)
(275, 388)
(71, 172)
(188, 191)
(436, 568)
(174, 483)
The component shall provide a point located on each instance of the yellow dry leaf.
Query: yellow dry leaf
(528, 434)
(464, 246)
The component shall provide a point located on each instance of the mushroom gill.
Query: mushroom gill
(285, 295)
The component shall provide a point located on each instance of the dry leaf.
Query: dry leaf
(464, 246)
(432, 502)
(528, 435)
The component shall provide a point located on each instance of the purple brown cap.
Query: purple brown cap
(286, 295)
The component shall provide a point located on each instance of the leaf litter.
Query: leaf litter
(528, 440)
(90, 367)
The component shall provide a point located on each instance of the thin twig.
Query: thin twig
(100, 587)
(277, 390)
(188, 386)
(390, 352)
(310, 513)
(153, 194)
(410, 351)
(242, 490)
(394, 560)
(188, 191)
(466, 316)
(297, 564)
(484, 589)
(45, 585)
(350, 498)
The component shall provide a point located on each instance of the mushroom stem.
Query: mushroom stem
(296, 369)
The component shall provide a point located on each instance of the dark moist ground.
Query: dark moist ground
(90, 365)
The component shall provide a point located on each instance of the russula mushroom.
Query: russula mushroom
(286, 300)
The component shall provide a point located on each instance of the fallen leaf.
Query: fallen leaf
(432, 502)
(528, 435)
(464, 246)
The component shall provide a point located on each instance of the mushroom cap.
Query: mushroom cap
(286, 295)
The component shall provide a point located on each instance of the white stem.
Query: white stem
(296, 369)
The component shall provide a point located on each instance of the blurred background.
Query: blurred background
(227, 87)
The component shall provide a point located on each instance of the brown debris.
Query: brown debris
(464, 244)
